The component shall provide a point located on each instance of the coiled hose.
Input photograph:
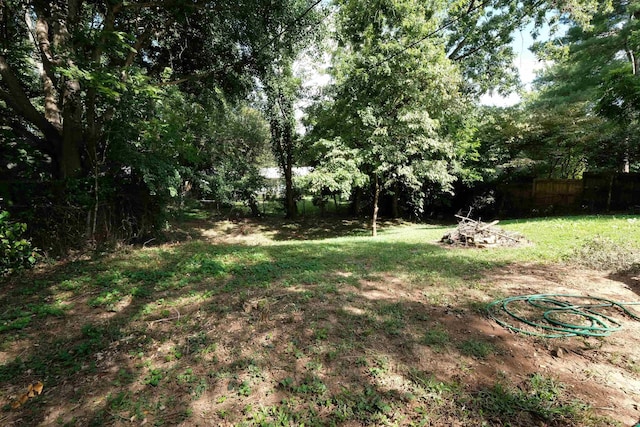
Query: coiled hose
(559, 315)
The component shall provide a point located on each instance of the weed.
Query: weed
(476, 348)
(153, 377)
(199, 389)
(540, 398)
(602, 253)
(244, 389)
(174, 354)
(321, 333)
(187, 377)
(124, 377)
(362, 407)
(428, 382)
(437, 338)
(310, 385)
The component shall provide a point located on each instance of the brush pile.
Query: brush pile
(481, 235)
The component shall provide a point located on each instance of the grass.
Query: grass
(275, 327)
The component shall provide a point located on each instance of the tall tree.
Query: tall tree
(478, 34)
(390, 98)
(295, 27)
(65, 64)
(81, 82)
(596, 70)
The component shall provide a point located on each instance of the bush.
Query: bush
(15, 251)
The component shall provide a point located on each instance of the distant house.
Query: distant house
(275, 181)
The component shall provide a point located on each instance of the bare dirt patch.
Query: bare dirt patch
(604, 372)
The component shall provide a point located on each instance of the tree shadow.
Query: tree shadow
(631, 279)
(325, 332)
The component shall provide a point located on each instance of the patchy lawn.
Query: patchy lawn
(258, 323)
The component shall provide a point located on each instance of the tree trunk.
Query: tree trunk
(356, 200)
(626, 163)
(395, 211)
(376, 198)
(610, 192)
(253, 205)
(72, 132)
(291, 208)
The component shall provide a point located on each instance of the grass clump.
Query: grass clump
(476, 348)
(603, 253)
(540, 399)
(436, 338)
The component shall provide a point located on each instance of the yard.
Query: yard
(316, 323)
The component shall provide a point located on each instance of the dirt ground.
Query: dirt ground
(267, 336)
(603, 371)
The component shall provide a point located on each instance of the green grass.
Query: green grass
(327, 324)
(476, 348)
(436, 338)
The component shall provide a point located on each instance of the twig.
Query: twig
(166, 319)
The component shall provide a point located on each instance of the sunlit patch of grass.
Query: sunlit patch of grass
(16, 318)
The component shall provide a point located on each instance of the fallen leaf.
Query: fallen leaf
(32, 391)
(37, 387)
(20, 401)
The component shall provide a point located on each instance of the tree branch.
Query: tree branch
(18, 100)
(29, 137)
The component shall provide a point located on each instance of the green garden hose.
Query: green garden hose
(558, 316)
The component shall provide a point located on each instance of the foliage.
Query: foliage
(389, 102)
(88, 94)
(596, 74)
(282, 88)
(337, 172)
(16, 251)
(551, 141)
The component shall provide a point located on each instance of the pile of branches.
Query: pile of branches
(481, 235)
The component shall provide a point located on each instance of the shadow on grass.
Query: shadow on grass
(319, 333)
(278, 229)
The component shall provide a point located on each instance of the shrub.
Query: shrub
(15, 251)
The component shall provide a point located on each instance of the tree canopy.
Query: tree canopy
(121, 107)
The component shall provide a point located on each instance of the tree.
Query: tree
(82, 86)
(295, 26)
(389, 101)
(478, 34)
(596, 72)
(530, 141)
(281, 89)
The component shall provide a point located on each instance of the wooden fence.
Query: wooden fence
(593, 193)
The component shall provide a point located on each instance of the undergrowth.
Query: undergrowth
(605, 254)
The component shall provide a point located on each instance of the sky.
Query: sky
(526, 63)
